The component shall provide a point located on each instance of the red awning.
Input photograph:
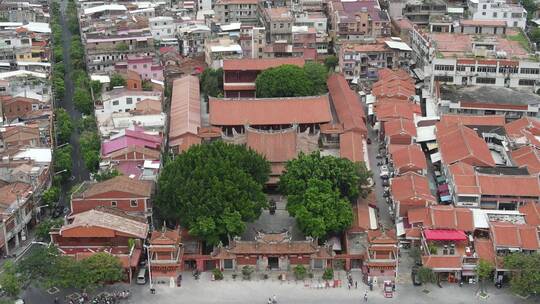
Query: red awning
(444, 235)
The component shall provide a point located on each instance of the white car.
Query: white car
(384, 171)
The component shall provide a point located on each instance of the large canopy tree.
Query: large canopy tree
(292, 81)
(320, 190)
(213, 189)
(525, 272)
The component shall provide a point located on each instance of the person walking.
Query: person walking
(365, 296)
(355, 284)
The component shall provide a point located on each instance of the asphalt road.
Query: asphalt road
(79, 171)
(373, 149)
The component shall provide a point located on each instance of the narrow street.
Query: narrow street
(373, 149)
(79, 171)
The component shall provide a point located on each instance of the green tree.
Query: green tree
(90, 141)
(284, 81)
(62, 161)
(300, 272)
(105, 175)
(91, 160)
(328, 274)
(9, 281)
(58, 87)
(83, 101)
(211, 83)
(321, 210)
(535, 35)
(213, 189)
(317, 74)
(351, 179)
(117, 81)
(58, 54)
(122, 47)
(43, 228)
(147, 85)
(103, 268)
(331, 62)
(525, 272)
(218, 274)
(97, 87)
(87, 123)
(64, 125)
(484, 270)
(426, 275)
(51, 195)
(80, 79)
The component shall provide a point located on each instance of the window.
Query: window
(129, 100)
(114, 204)
(485, 80)
(134, 66)
(487, 69)
(138, 99)
(505, 14)
(494, 14)
(443, 67)
(526, 82)
(483, 13)
(484, 6)
(227, 264)
(444, 78)
(529, 71)
(115, 102)
(133, 203)
(281, 25)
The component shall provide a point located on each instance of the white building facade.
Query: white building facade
(514, 14)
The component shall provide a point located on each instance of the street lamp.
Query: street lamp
(149, 266)
(59, 172)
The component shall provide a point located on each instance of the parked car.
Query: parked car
(384, 171)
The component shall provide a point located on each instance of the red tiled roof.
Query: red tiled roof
(248, 64)
(484, 249)
(411, 189)
(473, 120)
(276, 147)
(532, 213)
(350, 146)
(393, 110)
(526, 128)
(470, 22)
(269, 111)
(506, 234)
(400, 127)
(442, 217)
(515, 185)
(462, 144)
(442, 262)
(527, 156)
(349, 110)
(398, 84)
(409, 158)
(185, 114)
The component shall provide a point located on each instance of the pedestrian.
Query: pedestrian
(365, 296)
(355, 284)
(274, 299)
(56, 300)
(349, 285)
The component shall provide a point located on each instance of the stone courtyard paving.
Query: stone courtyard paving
(258, 291)
(204, 291)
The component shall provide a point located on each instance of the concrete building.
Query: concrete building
(229, 11)
(278, 23)
(162, 27)
(513, 14)
(192, 39)
(357, 20)
(362, 61)
(472, 59)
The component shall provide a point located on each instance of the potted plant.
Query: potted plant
(246, 272)
(218, 275)
(299, 272)
(328, 274)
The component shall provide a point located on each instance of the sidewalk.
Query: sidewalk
(20, 251)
